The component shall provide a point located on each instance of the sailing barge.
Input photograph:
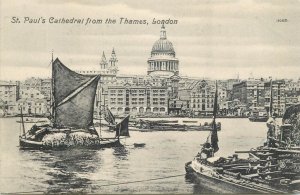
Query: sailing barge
(267, 170)
(72, 115)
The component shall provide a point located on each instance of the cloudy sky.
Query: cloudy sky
(216, 39)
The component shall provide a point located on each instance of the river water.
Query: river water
(158, 167)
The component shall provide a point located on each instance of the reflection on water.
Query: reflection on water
(68, 170)
(197, 188)
(121, 153)
(116, 170)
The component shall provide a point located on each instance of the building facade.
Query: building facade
(9, 94)
(278, 96)
(32, 106)
(202, 98)
(137, 100)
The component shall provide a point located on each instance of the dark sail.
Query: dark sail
(65, 81)
(214, 134)
(109, 117)
(77, 109)
(122, 127)
(74, 96)
(290, 113)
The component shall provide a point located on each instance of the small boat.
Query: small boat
(189, 121)
(72, 115)
(266, 170)
(139, 145)
(33, 120)
(259, 116)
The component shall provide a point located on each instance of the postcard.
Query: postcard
(149, 97)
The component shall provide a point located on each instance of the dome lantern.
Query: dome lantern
(163, 34)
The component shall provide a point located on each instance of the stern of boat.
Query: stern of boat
(188, 168)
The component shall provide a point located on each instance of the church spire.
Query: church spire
(113, 59)
(163, 34)
(103, 62)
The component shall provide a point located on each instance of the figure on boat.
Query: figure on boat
(272, 131)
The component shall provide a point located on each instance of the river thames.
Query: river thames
(158, 167)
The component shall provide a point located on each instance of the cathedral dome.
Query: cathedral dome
(163, 45)
(163, 61)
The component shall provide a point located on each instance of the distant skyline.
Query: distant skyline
(214, 39)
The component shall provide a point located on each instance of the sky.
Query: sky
(212, 39)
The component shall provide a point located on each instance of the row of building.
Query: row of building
(161, 91)
(146, 95)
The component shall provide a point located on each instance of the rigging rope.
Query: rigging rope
(113, 184)
(139, 181)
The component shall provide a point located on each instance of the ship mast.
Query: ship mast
(52, 92)
(271, 98)
(22, 121)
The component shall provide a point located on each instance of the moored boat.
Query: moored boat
(258, 115)
(266, 170)
(139, 145)
(258, 118)
(72, 115)
(147, 125)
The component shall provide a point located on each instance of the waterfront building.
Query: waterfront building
(291, 100)
(278, 94)
(40, 84)
(199, 95)
(32, 106)
(255, 94)
(31, 93)
(33, 101)
(137, 100)
(250, 93)
(31, 83)
(292, 93)
(202, 98)
(9, 94)
(179, 107)
(46, 88)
